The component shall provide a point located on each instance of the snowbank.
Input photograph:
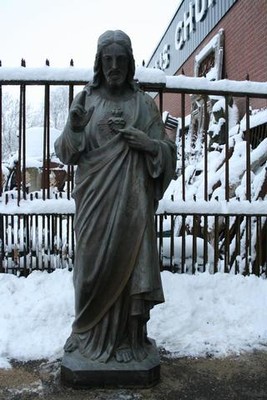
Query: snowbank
(203, 315)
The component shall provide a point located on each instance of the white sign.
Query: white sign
(164, 58)
(197, 12)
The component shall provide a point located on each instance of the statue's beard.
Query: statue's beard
(115, 79)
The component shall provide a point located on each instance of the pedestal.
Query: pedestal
(80, 372)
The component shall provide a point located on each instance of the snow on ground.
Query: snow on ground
(203, 314)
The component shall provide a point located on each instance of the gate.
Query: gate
(213, 216)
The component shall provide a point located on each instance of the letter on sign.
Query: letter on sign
(200, 10)
(179, 39)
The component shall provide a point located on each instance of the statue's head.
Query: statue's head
(106, 39)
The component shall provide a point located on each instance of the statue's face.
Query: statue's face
(115, 64)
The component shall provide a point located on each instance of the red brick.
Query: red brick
(245, 51)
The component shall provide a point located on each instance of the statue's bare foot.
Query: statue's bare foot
(124, 354)
(139, 353)
(137, 340)
(71, 343)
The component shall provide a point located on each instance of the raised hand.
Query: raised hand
(79, 117)
(139, 140)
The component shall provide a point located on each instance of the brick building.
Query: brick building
(215, 38)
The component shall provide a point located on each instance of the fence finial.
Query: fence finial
(23, 62)
(72, 63)
(47, 62)
(247, 77)
(183, 72)
(143, 63)
(0, 63)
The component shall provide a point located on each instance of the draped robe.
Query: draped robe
(116, 270)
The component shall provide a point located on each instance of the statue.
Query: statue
(115, 136)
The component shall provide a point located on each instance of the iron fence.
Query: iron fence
(36, 242)
(37, 232)
(214, 243)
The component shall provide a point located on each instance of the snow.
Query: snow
(213, 43)
(203, 314)
(38, 206)
(232, 207)
(210, 314)
(73, 74)
(34, 146)
(37, 315)
(34, 141)
(257, 118)
(45, 74)
(178, 249)
(143, 74)
(150, 75)
(64, 206)
(203, 84)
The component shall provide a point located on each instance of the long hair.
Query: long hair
(104, 40)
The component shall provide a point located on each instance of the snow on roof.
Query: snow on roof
(259, 117)
(35, 145)
(34, 141)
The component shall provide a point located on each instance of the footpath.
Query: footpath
(241, 377)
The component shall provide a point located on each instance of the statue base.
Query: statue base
(80, 372)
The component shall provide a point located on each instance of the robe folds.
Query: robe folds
(116, 270)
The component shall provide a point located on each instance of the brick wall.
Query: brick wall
(245, 49)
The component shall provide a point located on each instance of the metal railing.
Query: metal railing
(235, 243)
(41, 235)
